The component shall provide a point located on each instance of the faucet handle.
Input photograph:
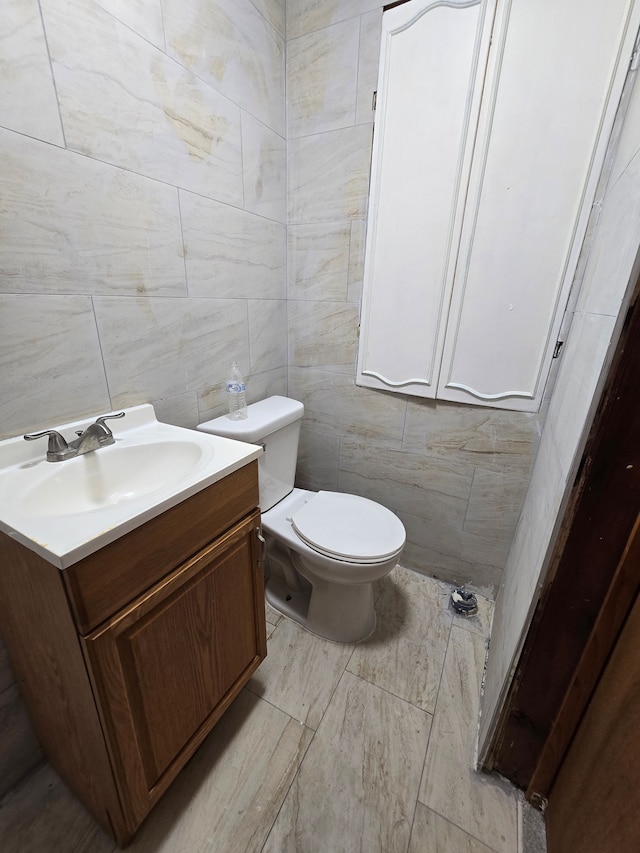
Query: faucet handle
(101, 421)
(57, 449)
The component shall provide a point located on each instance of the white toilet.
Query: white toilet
(324, 549)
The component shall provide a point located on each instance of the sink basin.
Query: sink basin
(67, 510)
(109, 476)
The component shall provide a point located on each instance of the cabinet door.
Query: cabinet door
(431, 73)
(167, 667)
(487, 150)
(552, 88)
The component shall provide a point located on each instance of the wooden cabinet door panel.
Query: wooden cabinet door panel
(168, 666)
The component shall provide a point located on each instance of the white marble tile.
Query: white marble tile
(230, 792)
(42, 815)
(305, 16)
(323, 335)
(518, 592)
(357, 785)
(495, 504)
(179, 410)
(617, 234)
(264, 168)
(493, 439)
(143, 16)
(453, 555)
(318, 456)
(300, 673)
(51, 367)
(571, 408)
(368, 60)
(433, 834)
(154, 348)
(212, 399)
(93, 230)
(231, 46)
(19, 748)
(28, 101)
(232, 253)
(435, 489)
(127, 103)
(335, 405)
(405, 654)
(266, 384)
(272, 618)
(328, 175)
(477, 803)
(273, 11)
(322, 76)
(356, 260)
(318, 261)
(267, 334)
(627, 143)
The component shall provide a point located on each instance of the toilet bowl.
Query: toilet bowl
(324, 550)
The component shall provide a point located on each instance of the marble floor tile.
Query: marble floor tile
(450, 786)
(19, 747)
(42, 815)
(272, 618)
(356, 787)
(405, 654)
(300, 672)
(265, 782)
(433, 834)
(228, 796)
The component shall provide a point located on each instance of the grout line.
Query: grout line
(435, 711)
(53, 79)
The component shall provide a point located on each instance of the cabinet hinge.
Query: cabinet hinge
(557, 348)
(374, 100)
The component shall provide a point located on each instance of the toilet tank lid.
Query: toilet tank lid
(263, 418)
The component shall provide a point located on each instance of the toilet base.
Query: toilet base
(346, 615)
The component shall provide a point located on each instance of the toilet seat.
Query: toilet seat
(349, 528)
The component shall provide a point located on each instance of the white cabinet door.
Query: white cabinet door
(427, 110)
(476, 223)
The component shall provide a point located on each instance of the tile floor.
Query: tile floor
(330, 748)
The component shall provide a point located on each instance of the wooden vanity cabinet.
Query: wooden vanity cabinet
(121, 701)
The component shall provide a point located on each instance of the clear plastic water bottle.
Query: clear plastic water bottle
(236, 394)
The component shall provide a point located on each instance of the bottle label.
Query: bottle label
(234, 387)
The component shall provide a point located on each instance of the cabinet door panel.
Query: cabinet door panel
(428, 98)
(167, 667)
(170, 670)
(553, 85)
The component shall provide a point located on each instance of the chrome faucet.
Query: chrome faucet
(94, 436)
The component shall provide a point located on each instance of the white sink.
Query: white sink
(67, 510)
(106, 477)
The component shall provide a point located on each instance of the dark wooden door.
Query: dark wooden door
(594, 805)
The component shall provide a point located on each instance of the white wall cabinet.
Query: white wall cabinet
(492, 124)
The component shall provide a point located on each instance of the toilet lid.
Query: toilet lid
(349, 527)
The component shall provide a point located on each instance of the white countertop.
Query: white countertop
(65, 511)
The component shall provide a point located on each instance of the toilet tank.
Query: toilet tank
(275, 424)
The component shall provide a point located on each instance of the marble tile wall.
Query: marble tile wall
(610, 271)
(456, 475)
(142, 219)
